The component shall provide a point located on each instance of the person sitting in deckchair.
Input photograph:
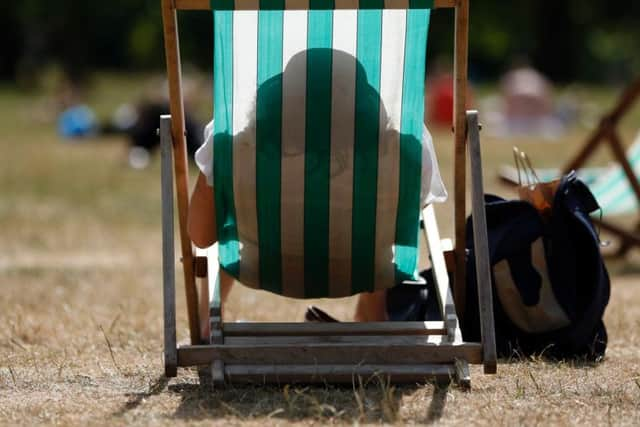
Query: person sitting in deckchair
(279, 133)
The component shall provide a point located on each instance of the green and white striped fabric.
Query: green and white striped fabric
(612, 189)
(609, 184)
(318, 121)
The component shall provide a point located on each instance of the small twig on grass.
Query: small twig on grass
(357, 393)
(113, 358)
(62, 364)
(520, 389)
(320, 409)
(36, 367)
(17, 343)
(387, 402)
(13, 376)
(275, 412)
(231, 409)
(114, 321)
(534, 381)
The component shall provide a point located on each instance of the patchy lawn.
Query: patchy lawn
(80, 307)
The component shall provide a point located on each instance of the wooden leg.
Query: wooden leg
(463, 376)
(217, 373)
(481, 246)
(174, 77)
(168, 261)
(460, 66)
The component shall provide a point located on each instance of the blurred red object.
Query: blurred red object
(440, 100)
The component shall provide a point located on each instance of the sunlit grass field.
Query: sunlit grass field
(80, 299)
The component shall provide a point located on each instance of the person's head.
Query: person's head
(352, 98)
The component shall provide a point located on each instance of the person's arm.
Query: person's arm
(202, 214)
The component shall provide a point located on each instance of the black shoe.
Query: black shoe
(314, 314)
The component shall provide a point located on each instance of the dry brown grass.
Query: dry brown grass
(80, 314)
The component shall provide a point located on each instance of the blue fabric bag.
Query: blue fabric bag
(550, 284)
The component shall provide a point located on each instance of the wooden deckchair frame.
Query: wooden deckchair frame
(311, 352)
(607, 133)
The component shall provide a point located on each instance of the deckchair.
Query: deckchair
(616, 187)
(251, 42)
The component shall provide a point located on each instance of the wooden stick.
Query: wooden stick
(417, 352)
(481, 248)
(625, 102)
(298, 341)
(460, 172)
(463, 376)
(251, 4)
(408, 374)
(607, 125)
(168, 261)
(589, 147)
(217, 373)
(621, 157)
(172, 52)
(631, 237)
(627, 244)
(342, 328)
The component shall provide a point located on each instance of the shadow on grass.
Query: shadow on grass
(438, 402)
(371, 401)
(585, 361)
(135, 399)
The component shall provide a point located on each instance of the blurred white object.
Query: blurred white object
(125, 117)
(525, 107)
(139, 157)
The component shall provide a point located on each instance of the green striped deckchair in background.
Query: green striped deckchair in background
(318, 118)
(612, 189)
(616, 187)
(609, 185)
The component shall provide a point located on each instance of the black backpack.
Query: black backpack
(550, 284)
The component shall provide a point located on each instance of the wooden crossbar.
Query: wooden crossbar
(332, 339)
(391, 350)
(267, 329)
(253, 4)
(408, 374)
